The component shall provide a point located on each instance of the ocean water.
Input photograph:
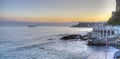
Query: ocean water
(43, 42)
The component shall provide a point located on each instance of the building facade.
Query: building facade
(106, 31)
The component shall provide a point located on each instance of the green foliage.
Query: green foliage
(115, 20)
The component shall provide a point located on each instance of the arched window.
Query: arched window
(112, 32)
(104, 33)
(108, 33)
(98, 32)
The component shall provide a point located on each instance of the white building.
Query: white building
(106, 31)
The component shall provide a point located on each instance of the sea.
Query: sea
(43, 42)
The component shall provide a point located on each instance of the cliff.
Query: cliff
(115, 20)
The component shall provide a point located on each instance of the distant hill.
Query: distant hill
(88, 24)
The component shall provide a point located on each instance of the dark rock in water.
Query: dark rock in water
(32, 58)
(71, 37)
(87, 36)
(41, 48)
(91, 43)
(50, 39)
(84, 38)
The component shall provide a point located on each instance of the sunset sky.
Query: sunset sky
(56, 10)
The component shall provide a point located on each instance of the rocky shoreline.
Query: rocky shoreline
(75, 37)
(93, 41)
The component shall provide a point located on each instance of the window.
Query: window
(112, 32)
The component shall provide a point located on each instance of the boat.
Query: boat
(31, 26)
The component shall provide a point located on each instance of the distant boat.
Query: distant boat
(32, 26)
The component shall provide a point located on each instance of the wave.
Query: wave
(22, 48)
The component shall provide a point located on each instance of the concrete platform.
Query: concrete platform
(100, 53)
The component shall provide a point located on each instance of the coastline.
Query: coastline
(23, 46)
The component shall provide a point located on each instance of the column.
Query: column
(94, 32)
(106, 33)
(110, 33)
(102, 33)
(97, 33)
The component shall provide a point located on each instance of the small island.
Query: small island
(32, 26)
(88, 24)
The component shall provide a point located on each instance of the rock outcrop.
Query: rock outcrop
(69, 37)
(76, 37)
